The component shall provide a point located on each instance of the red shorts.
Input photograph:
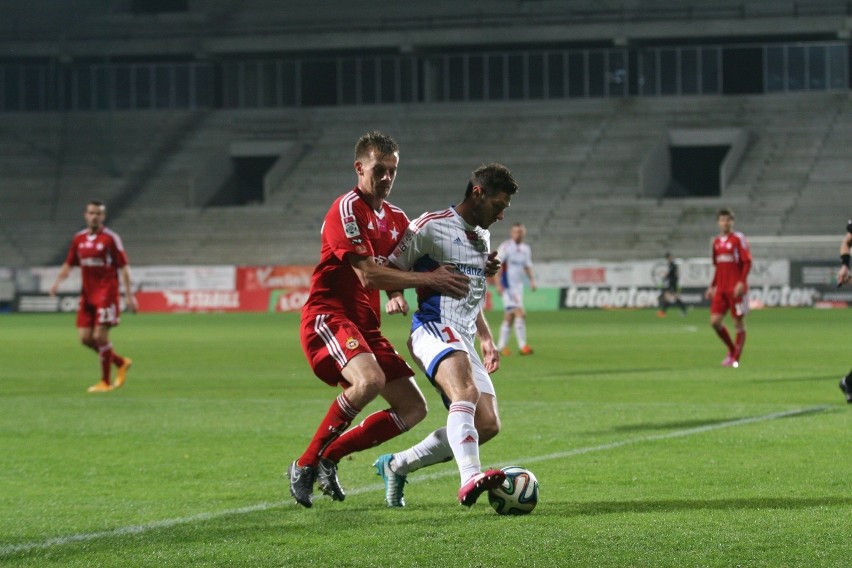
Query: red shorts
(724, 301)
(102, 309)
(330, 342)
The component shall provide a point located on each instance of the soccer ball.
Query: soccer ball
(518, 495)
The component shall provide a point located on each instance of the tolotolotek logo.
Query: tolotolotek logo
(612, 297)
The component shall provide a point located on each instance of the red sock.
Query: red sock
(105, 354)
(722, 332)
(336, 421)
(377, 428)
(117, 359)
(740, 343)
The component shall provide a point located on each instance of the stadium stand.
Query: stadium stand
(578, 165)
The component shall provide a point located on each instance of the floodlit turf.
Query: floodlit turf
(627, 420)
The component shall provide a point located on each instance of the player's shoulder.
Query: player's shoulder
(396, 211)
(80, 234)
(429, 219)
(849, 226)
(740, 237)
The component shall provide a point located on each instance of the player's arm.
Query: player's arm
(531, 276)
(130, 298)
(745, 268)
(490, 355)
(444, 279)
(843, 276)
(64, 271)
(711, 290)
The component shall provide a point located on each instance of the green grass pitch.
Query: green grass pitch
(647, 451)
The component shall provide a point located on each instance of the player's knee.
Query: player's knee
(88, 342)
(370, 384)
(468, 392)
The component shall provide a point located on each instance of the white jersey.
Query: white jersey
(515, 259)
(443, 237)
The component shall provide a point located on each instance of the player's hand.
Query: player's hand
(446, 280)
(533, 285)
(55, 287)
(132, 305)
(490, 356)
(492, 264)
(396, 305)
(711, 291)
(739, 290)
(843, 276)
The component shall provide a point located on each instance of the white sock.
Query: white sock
(463, 438)
(521, 331)
(434, 448)
(504, 335)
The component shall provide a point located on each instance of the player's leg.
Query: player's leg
(506, 324)
(846, 387)
(454, 376)
(718, 307)
(338, 354)
(738, 315)
(662, 304)
(521, 330)
(408, 407)
(679, 303)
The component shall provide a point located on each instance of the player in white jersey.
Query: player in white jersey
(516, 259)
(443, 334)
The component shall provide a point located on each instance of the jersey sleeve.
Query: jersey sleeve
(344, 231)
(502, 252)
(118, 253)
(411, 247)
(745, 258)
(528, 257)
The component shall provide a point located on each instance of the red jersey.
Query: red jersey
(352, 226)
(732, 258)
(99, 257)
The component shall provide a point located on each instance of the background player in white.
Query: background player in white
(516, 261)
(442, 335)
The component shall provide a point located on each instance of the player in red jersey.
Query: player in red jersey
(729, 290)
(843, 277)
(99, 253)
(340, 322)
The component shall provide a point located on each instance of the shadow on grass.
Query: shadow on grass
(600, 372)
(669, 425)
(802, 380)
(674, 505)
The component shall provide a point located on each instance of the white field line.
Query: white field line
(10, 549)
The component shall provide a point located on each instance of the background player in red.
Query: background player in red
(340, 321)
(843, 277)
(729, 290)
(99, 253)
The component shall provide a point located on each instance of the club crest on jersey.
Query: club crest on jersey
(478, 243)
(350, 227)
(352, 343)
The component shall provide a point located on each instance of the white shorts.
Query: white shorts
(430, 343)
(513, 298)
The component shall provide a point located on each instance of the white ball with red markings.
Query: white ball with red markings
(518, 495)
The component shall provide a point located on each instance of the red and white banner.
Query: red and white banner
(173, 301)
(273, 277)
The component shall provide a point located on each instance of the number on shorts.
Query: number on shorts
(107, 314)
(451, 337)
